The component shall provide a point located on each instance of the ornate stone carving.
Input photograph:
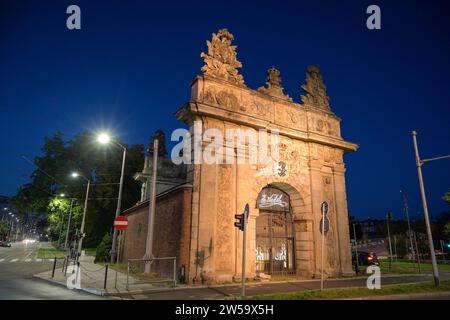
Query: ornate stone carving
(224, 218)
(221, 61)
(273, 85)
(316, 92)
(222, 98)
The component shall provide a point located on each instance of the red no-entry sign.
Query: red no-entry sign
(121, 223)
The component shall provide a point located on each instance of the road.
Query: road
(17, 266)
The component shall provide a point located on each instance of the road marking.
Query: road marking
(1, 260)
(14, 260)
(27, 260)
(38, 260)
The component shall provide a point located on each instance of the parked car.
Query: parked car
(366, 259)
(5, 243)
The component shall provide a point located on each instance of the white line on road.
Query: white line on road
(14, 260)
(38, 260)
(27, 260)
(1, 260)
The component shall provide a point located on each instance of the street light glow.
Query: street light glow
(75, 174)
(104, 138)
(62, 195)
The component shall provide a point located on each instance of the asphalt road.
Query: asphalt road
(17, 266)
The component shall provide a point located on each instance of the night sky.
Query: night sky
(128, 70)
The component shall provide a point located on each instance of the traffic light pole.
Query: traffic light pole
(244, 235)
(241, 224)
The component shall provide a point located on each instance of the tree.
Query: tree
(60, 157)
(4, 229)
(446, 231)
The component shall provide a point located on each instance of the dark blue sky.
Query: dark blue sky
(129, 69)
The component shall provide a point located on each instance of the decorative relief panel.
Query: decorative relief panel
(224, 220)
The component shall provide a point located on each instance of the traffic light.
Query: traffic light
(240, 223)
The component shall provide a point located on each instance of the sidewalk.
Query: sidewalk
(92, 279)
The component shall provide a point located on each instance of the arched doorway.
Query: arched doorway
(275, 251)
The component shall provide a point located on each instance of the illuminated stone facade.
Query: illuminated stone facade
(312, 170)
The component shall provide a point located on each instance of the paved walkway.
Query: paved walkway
(91, 278)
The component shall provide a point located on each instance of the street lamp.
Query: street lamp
(105, 138)
(62, 195)
(68, 222)
(419, 163)
(80, 241)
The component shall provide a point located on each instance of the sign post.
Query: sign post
(120, 224)
(324, 227)
(242, 225)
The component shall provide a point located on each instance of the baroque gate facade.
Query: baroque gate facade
(308, 170)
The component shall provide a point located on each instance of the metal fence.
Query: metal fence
(153, 271)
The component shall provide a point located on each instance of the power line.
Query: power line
(47, 174)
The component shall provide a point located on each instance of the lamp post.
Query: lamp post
(405, 206)
(152, 208)
(68, 222)
(104, 139)
(80, 241)
(62, 195)
(419, 164)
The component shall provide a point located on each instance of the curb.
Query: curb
(87, 290)
(402, 296)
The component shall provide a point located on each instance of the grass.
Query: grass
(50, 253)
(403, 267)
(90, 251)
(422, 287)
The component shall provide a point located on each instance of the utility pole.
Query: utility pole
(419, 164)
(389, 217)
(442, 249)
(417, 250)
(61, 229)
(152, 208)
(406, 209)
(395, 248)
(356, 250)
(68, 223)
(83, 221)
(119, 204)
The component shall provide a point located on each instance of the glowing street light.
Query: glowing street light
(80, 242)
(62, 195)
(104, 138)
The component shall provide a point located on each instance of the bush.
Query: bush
(103, 249)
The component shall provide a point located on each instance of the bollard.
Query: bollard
(63, 266)
(54, 267)
(128, 271)
(106, 276)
